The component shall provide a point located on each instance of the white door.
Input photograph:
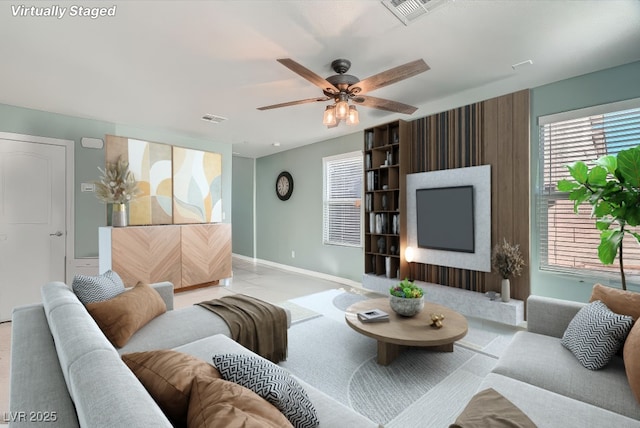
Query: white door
(32, 221)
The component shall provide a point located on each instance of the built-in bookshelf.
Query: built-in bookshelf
(385, 160)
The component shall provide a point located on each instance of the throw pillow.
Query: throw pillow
(619, 301)
(631, 355)
(595, 334)
(119, 318)
(218, 403)
(272, 383)
(98, 288)
(488, 408)
(168, 375)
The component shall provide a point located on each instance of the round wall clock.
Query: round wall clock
(284, 186)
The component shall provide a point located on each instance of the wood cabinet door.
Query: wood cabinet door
(206, 253)
(147, 253)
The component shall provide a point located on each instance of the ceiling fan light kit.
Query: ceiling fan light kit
(343, 87)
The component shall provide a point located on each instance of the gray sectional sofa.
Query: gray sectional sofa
(65, 373)
(546, 381)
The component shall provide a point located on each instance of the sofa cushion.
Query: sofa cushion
(595, 334)
(272, 383)
(219, 403)
(631, 354)
(119, 318)
(619, 301)
(542, 361)
(550, 410)
(90, 289)
(489, 408)
(168, 375)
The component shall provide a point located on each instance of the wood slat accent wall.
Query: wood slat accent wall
(493, 132)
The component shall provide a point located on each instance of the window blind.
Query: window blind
(568, 242)
(342, 216)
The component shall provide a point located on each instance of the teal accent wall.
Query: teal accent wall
(89, 212)
(242, 225)
(606, 86)
(296, 224)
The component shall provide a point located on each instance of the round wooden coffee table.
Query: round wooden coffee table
(402, 331)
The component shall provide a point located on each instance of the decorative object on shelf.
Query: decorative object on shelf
(284, 186)
(406, 298)
(436, 320)
(117, 186)
(507, 261)
(382, 243)
(612, 187)
(387, 266)
(384, 203)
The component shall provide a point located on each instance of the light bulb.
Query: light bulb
(353, 118)
(329, 117)
(342, 110)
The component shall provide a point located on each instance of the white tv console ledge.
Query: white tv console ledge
(466, 302)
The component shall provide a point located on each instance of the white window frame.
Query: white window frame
(547, 196)
(355, 201)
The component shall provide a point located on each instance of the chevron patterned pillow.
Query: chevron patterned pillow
(595, 334)
(91, 289)
(272, 383)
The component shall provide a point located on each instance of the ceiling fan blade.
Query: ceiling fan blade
(390, 76)
(293, 103)
(382, 104)
(312, 77)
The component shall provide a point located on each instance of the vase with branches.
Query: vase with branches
(507, 261)
(117, 185)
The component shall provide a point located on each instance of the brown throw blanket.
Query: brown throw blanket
(255, 324)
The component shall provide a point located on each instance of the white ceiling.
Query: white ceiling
(164, 64)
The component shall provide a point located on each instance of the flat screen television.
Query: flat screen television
(445, 218)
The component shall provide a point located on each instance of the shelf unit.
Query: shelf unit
(385, 160)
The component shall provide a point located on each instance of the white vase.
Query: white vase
(119, 215)
(505, 292)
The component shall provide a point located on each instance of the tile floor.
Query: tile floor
(266, 283)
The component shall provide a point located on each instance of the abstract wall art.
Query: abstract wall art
(197, 186)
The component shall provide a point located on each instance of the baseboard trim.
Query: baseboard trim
(294, 269)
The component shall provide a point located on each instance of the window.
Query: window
(568, 242)
(341, 200)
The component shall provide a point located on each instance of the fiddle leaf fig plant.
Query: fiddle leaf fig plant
(612, 188)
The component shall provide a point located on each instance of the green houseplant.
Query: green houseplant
(612, 188)
(406, 298)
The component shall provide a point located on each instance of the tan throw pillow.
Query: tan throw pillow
(619, 301)
(167, 375)
(488, 408)
(119, 318)
(631, 355)
(219, 403)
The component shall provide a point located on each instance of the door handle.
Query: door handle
(58, 233)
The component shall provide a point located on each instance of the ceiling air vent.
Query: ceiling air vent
(213, 118)
(409, 10)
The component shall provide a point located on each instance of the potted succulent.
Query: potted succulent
(507, 261)
(117, 186)
(406, 298)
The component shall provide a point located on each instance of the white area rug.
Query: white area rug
(420, 388)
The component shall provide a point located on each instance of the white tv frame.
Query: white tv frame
(480, 178)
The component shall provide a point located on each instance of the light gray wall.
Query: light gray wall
(296, 224)
(614, 84)
(89, 212)
(243, 206)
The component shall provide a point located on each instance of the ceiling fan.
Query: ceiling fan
(343, 88)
